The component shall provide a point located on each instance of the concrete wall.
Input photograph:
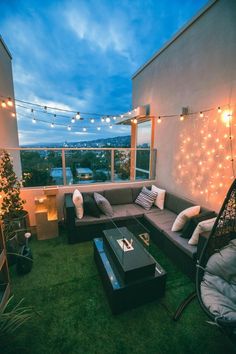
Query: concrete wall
(197, 69)
(8, 131)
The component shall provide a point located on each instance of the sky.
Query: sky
(81, 55)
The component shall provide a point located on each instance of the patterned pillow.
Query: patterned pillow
(146, 198)
(103, 204)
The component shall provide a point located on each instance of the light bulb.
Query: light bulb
(34, 120)
(129, 112)
(110, 126)
(9, 102)
(121, 116)
(201, 114)
(135, 121)
(219, 109)
(114, 118)
(102, 119)
(52, 125)
(159, 120)
(84, 129)
(73, 120)
(77, 116)
(108, 119)
(92, 120)
(181, 117)
(13, 114)
(69, 127)
(98, 128)
(3, 104)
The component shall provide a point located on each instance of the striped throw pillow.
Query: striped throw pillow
(146, 198)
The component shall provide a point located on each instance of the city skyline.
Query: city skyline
(81, 55)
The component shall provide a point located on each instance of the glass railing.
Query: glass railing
(67, 166)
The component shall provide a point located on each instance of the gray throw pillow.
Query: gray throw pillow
(103, 204)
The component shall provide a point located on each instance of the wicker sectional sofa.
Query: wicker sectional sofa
(159, 222)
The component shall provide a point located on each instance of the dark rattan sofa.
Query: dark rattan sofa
(159, 222)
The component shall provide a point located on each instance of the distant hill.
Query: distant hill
(118, 141)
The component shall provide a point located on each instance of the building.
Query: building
(195, 69)
(56, 174)
(84, 173)
(8, 131)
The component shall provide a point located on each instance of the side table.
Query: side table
(46, 214)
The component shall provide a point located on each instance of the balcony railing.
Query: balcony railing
(67, 166)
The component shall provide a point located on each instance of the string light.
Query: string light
(201, 114)
(34, 120)
(73, 120)
(114, 118)
(78, 116)
(98, 128)
(108, 119)
(92, 120)
(13, 114)
(219, 109)
(181, 117)
(159, 120)
(3, 104)
(135, 121)
(102, 119)
(84, 129)
(52, 125)
(9, 102)
(110, 126)
(69, 127)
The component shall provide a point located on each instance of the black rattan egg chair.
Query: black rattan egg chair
(219, 247)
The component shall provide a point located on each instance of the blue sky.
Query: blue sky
(81, 55)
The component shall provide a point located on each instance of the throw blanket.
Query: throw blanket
(218, 287)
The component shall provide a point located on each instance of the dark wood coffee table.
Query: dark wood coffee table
(130, 278)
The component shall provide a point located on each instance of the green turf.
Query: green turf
(65, 288)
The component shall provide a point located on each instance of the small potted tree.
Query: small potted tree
(12, 213)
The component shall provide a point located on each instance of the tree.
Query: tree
(12, 204)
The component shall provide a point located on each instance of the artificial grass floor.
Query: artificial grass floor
(74, 317)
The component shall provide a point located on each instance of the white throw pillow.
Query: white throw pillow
(78, 202)
(183, 217)
(203, 226)
(160, 199)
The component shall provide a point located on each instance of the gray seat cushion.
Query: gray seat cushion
(91, 220)
(163, 220)
(127, 211)
(159, 217)
(179, 241)
(119, 196)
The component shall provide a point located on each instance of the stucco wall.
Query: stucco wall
(198, 70)
(8, 131)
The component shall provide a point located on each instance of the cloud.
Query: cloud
(102, 30)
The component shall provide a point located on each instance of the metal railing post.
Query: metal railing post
(63, 166)
(112, 165)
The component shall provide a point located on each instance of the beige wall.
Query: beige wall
(8, 131)
(198, 70)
